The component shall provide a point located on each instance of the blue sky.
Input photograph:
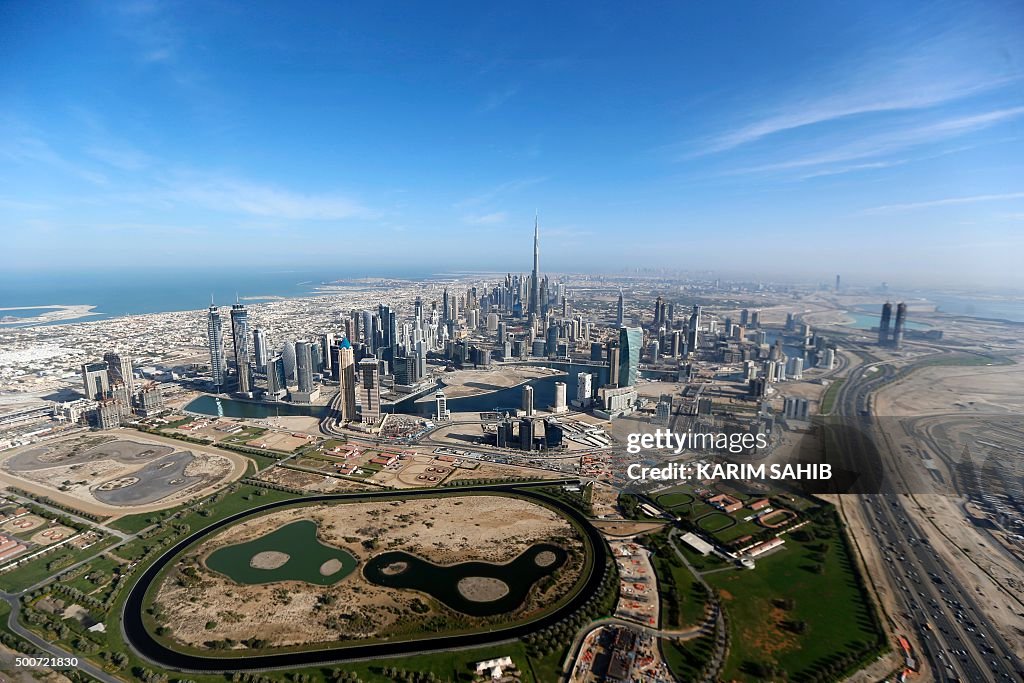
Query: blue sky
(882, 140)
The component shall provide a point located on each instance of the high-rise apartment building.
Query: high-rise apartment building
(560, 405)
(584, 388)
(260, 351)
(243, 356)
(441, 412)
(215, 338)
(304, 366)
(883, 324)
(900, 326)
(347, 380)
(630, 341)
(527, 403)
(369, 376)
(614, 355)
(277, 382)
(119, 369)
(96, 380)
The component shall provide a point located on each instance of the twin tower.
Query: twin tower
(896, 340)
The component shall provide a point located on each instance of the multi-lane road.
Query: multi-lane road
(959, 641)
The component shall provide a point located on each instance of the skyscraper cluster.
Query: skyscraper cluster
(375, 350)
(111, 385)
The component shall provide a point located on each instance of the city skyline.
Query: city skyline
(645, 139)
(587, 342)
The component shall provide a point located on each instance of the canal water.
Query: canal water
(208, 405)
(501, 400)
(398, 569)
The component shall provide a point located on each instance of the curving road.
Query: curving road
(150, 649)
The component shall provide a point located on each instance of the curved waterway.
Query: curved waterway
(500, 400)
(399, 569)
(142, 642)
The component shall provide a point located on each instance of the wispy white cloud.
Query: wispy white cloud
(895, 139)
(487, 218)
(28, 149)
(142, 182)
(922, 67)
(839, 170)
(947, 201)
(809, 112)
(234, 195)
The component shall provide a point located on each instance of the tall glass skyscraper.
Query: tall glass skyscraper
(215, 336)
(630, 341)
(259, 344)
(534, 303)
(240, 335)
(304, 365)
(277, 385)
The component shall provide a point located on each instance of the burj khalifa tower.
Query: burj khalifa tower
(535, 280)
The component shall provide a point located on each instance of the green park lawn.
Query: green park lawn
(675, 497)
(34, 571)
(716, 522)
(836, 614)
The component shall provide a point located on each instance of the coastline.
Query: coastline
(60, 313)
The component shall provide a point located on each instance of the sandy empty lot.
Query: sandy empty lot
(443, 530)
(308, 481)
(142, 472)
(994, 389)
(462, 383)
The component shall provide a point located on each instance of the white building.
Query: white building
(584, 389)
(441, 412)
(527, 405)
(494, 667)
(560, 404)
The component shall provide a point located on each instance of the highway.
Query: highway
(959, 641)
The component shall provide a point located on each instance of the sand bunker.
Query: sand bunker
(394, 568)
(272, 559)
(330, 567)
(482, 588)
(545, 558)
